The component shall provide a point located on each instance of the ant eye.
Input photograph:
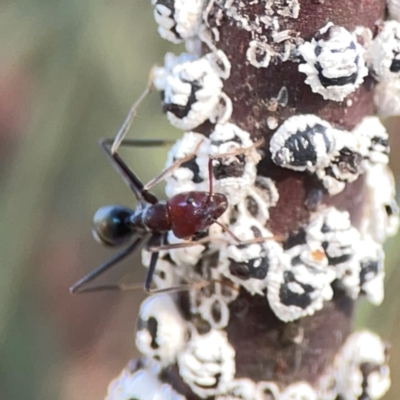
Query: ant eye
(190, 200)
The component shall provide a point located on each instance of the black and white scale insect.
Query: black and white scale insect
(370, 257)
(360, 369)
(248, 265)
(192, 89)
(207, 363)
(324, 252)
(308, 143)
(380, 210)
(232, 175)
(373, 141)
(209, 306)
(383, 56)
(140, 380)
(162, 331)
(298, 285)
(333, 62)
(178, 20)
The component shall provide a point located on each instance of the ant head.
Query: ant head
(193, 212)
(110, 225)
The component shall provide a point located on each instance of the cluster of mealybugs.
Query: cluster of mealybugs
(360, 370)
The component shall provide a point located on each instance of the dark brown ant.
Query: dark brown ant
(185, 214)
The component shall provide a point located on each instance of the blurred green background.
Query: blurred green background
(69, 71)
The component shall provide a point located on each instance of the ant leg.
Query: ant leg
(141, 142)
(250, 241)
(244, 150)
(131, 114)
(117, 287)
(128, 175)
(176, 164)
(77, 287)
(155, 239)
(173, 246)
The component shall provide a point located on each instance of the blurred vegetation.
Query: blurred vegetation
(69, 71)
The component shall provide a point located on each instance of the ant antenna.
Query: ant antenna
(131, 115)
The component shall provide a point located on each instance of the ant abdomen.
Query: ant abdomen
(111, 225)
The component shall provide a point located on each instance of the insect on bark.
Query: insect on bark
(186, 214)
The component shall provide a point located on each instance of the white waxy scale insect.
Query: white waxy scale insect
(161, 330)
(141, 383)
(332, 229)
(192, 90)
(207, 363)
(373, 140)
(260, 197)
(167, 272)
(193, 174)
(211, 302)
(178, 20)
(370, 256)
(383, 54)
(303, 142)
(334, 63)
(380, 214)
(248, 264)
(361, 367)
(323, 252)
(308, 143)
(299, 284)
(233, 175)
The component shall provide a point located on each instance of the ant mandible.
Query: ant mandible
(185, 214)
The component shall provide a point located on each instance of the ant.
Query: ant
(185, 214)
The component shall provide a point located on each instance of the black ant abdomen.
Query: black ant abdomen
(110, 225)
